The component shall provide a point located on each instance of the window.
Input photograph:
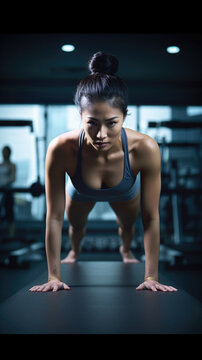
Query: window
(29, 149)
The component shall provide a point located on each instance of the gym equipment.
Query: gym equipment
(36, 189)
(12, 123)
(175, 186)
(15, 252)
(175, 124)
(102, 300)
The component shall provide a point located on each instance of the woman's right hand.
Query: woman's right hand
(52, 285)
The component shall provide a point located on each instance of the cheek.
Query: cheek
(115, 132)
(112, 133)
(90, 132)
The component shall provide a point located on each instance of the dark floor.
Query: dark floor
(187, 277)
(13, 279)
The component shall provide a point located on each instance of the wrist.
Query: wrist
(153, 278)
(52, 277)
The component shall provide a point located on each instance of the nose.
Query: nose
(101, 135)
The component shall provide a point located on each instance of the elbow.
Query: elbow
(59, 217)
(149, 219)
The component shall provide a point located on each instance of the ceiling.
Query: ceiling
(34, 69)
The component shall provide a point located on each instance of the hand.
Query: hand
(154, 286)
(52, 285)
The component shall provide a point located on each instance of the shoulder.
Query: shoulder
(62, 148)
(13, 166)
(64, 141)
(64, 144)
(144, 148)
(139, 141)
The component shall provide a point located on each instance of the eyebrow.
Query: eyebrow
(92, 118)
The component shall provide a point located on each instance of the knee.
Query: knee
(126, 228)
(74, 229)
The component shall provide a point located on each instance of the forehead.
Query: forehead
(100, 108)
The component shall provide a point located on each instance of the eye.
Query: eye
(112, 123)
(91, 122)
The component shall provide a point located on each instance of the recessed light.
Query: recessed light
(67, 47)
(173, 49)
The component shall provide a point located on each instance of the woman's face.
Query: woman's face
(102, 124)
(6, 153)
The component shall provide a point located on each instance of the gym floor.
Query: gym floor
(13, 279)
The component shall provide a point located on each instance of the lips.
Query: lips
(102, 143)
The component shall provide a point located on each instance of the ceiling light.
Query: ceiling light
(173, 49)
(67, 47)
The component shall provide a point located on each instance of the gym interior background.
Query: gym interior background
(37, 84)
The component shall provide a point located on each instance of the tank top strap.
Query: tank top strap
(81, 139)
(127, 171)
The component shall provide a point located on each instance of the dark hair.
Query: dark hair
(102, 83)
(8, 149)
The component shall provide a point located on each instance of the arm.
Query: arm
(55, 199)
(150, 196)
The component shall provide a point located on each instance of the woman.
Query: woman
(103, 161)
(7, 178)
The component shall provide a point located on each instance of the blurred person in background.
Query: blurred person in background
(7, 178)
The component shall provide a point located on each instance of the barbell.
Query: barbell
(36, 189)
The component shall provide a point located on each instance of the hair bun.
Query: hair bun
(103, 63)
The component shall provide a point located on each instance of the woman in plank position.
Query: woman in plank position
(104, 162)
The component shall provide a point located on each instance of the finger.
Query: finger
(167, 288)
(161, 287)
(42, 287)
(140, 287)
(46, 288)
(171, 288)
(148, 285)
(34, 288)
(153, 288)
(55, 287)
(39, 288)
(66, 287)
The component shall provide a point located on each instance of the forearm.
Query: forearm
(152, 246)
(53, 246)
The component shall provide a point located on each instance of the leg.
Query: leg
(127, 213)
(77, 214)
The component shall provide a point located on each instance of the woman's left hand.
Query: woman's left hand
(155, 286)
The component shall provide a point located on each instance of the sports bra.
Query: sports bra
(125, 190)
